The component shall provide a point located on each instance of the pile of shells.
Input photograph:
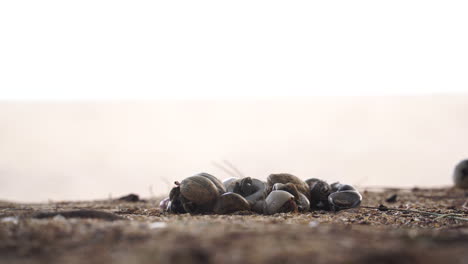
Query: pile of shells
(203, 193)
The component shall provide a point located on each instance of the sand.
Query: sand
(144, 234)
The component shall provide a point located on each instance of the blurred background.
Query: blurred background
(102, 98)
(95, 150)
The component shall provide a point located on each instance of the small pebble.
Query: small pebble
(10, 219)
(383, 208)
(156, 225)
(392, 199)
(130, 198)
(314, 224)
(59, 217)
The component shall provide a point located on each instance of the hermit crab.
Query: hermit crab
(319, 192)
(344, 196)
(253, 190)
(203, 193)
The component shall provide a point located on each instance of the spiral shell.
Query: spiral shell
(245, 187)
(285, 178)
(319, 192)
(288, 187)
(460, 175)
(229, 184)
(311, 181)
(230, 203)
(301, 200)
(198, 194)
(258, 206)
(303, 204)
(279, 202)
(219, 185)
(344, 199)
(338, 187)
(250, 188)
(259, 194)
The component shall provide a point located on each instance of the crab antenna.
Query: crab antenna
(230, 165)
(219, 166)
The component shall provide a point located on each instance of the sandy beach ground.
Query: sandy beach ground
(144, 234)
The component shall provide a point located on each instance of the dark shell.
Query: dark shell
(258, 206)
(219, 184)
(229, 184)
(175, 192)
(259, 194)
(311, 181)
(288, 187)
(175, 205)
(460, 175)
(230, 203)
(288, 178)
(198, 189)
(250, 188)
(245, 187)
(319, 192)
(344, 200)
(198, 194)
(303, 204)
(338, 187)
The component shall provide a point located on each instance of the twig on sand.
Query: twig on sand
(452, 215)
(384, 208)
(93, 214)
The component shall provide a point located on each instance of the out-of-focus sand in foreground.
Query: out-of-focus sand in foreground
(396, 233)
(90, 150)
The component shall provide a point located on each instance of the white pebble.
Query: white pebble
(10, 219)
(155, 225)
(314, 224)
(59, 217)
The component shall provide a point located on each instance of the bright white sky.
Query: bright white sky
(190, 49)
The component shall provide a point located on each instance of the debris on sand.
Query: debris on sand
(405, 233)
(9, 219)
(382, 208)
(93, 214)
(130, 198)
(392, 199)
